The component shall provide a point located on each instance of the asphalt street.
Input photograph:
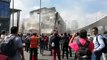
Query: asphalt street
(45, 56)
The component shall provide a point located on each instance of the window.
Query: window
(5, 0)
(4, 10)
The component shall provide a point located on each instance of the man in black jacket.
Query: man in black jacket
(65, 45)
(55, 46)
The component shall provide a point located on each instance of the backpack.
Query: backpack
(104, 50)
(8, 47)
(83, 52)
(27, 39)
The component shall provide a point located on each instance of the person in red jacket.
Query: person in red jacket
(34, 46)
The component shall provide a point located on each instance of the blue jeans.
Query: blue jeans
(93, 56)
(96, 55)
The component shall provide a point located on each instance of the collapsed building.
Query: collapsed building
(49, 20)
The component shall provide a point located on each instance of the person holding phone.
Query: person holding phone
(83, 40)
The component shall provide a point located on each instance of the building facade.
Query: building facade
(50, 20)
(4, 15)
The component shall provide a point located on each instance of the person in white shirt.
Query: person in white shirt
(98, 44)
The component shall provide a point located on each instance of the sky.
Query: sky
(84, 12)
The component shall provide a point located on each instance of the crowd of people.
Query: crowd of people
(86, 47)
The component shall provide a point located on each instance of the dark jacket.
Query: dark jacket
(56, 40)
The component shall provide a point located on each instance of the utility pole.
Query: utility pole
(40, 19)
(18, 19)
(13, 12)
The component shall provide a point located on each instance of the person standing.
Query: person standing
(46, 42)
(104, 55)
(98, 44)
(27, 42)
(50, 39)
(55, 46)
(82, 46)
(70, 50)
(18, 43)
(34, 46)
(65, 46)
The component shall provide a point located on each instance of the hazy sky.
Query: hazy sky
(84, 11)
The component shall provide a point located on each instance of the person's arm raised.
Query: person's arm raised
(71, 40)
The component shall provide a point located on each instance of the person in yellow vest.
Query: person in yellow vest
(34, 46)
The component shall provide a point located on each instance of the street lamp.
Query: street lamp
(40, 19)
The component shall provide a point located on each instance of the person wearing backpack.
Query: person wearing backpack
(104, 55)
(12, 45)
(82, 46)
(98, 44)
(27, 42)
